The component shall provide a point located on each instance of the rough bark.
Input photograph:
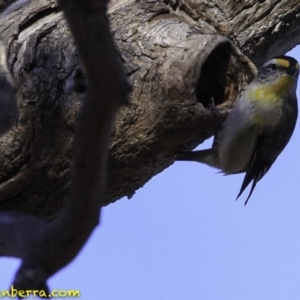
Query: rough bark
(177, 55)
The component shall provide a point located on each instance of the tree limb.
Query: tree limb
(45, 247)
(176, 55)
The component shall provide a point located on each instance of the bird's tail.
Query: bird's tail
(207, 156)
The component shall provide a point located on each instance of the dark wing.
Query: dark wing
(257, 168)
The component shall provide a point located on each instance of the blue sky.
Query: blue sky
(184, 237)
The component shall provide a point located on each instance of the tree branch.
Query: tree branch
(167, 113)
(44, 247)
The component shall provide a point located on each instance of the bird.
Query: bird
(258, 127)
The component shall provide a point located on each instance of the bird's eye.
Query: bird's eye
(273, 67)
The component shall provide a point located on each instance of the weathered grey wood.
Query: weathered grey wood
(261, 29)
(177, 55)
